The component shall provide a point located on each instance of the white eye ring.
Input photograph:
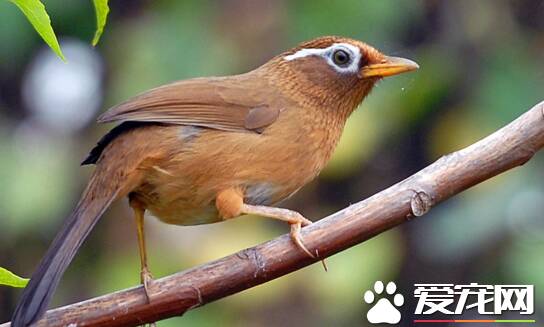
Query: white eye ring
(351, 66)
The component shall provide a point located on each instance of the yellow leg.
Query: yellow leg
(145, 275)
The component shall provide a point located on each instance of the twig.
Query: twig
(173, 295)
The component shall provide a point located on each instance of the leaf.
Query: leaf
(10, 279)
(101, 8)
(35, 12)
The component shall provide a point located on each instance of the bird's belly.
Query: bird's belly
(183, 210)
(181, 213)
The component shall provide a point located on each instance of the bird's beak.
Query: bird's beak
(388, 67)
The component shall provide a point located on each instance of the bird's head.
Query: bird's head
(334, 70)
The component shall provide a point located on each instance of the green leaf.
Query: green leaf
(35, 12)
(10, 279)
(101, 8)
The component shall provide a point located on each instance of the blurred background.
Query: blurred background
(482, 65)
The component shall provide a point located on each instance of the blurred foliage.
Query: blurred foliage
(10, 279)
(101, 9)
(481, 66)
(35, 12)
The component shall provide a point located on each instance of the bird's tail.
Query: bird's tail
(99, 194)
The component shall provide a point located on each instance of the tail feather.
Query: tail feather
(37, 294)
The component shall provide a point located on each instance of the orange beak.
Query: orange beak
(388, 67)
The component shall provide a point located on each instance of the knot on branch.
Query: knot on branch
(420, 203)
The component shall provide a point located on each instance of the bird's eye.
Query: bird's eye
(340, 57)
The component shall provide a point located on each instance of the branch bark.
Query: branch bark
(511, 146)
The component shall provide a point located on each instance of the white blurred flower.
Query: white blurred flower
(64, 96)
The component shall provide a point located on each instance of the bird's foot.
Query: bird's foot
(295, 219)
(146, 278)
(297, 222)
(296, 225)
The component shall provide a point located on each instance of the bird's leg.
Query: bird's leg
(230, 204)
(293, 218)
(145, 275)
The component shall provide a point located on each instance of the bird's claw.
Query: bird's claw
(305, 222)
(296, 226)
(297, 237)
(146, 279)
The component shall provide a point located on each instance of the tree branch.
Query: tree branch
(173, 295)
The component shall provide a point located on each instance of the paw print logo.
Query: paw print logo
(383, 311)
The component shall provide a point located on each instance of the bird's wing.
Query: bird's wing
(224, 103)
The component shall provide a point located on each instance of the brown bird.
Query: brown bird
(207, 150)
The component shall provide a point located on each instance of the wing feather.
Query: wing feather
(225, 103)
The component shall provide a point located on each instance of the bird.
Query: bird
(210, 149)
